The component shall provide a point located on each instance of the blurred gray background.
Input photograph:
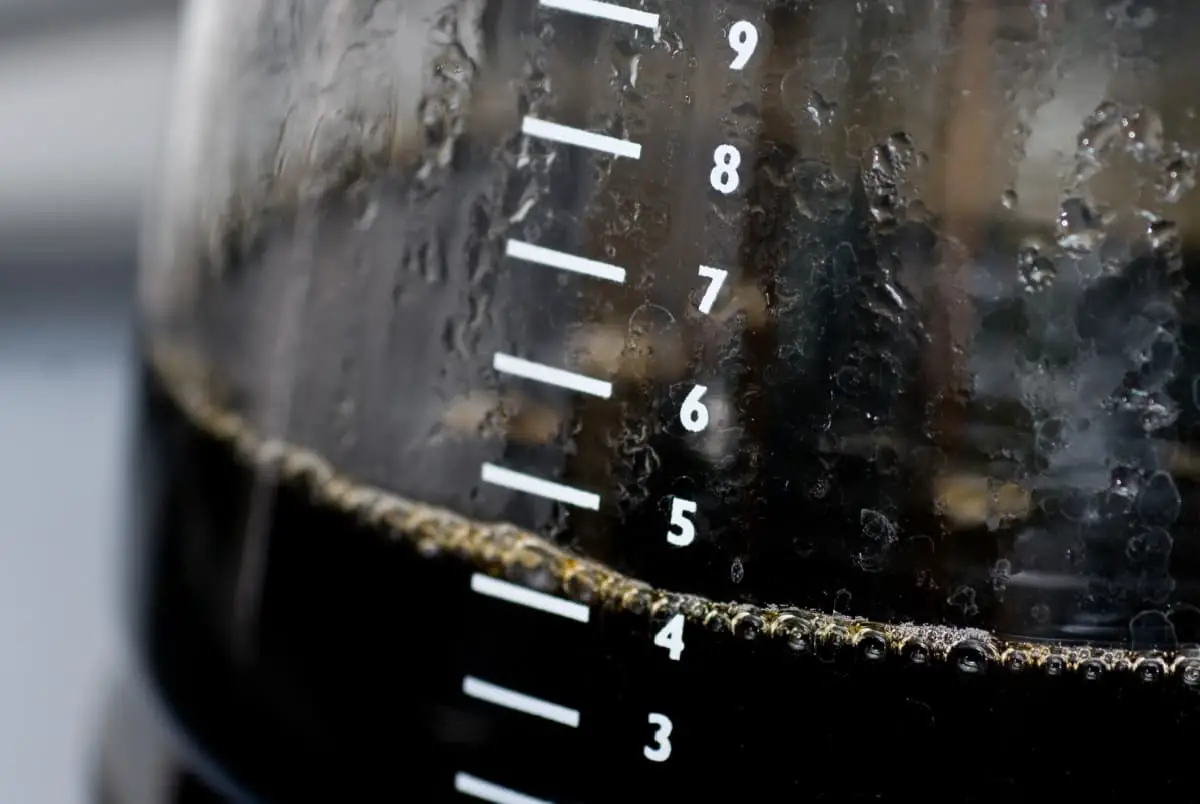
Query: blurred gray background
(83, 91)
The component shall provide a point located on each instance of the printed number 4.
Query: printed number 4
(661, 750)
(671, 637)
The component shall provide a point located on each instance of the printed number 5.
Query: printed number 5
(661, 750)
(683, 530)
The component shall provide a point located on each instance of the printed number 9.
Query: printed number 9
(743, 38)
(724, 175)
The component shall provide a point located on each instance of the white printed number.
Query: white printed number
(693, 414)
(661, 750)
(743, 38)
(716, 278)
(682, 531)
(671, 637)
(724, 175)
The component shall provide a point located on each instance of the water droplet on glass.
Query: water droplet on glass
(1008, 199)
(1151, 630)
(820, 110)
(1163, 236)
(1099, 130)
(637, 600)
(1079, 227)
(871, 645)
(796, 633)
(1178, 178)
(1091, 669)
(1036, 271)
(916, 652)
(747, 625)
(1143, 133)
(1050, 436)
(534, 568)
(1001, 574)
(877, 527)
(716, 622)
(831, 641)
(1054, 665)
(969, 657)
(1187, 670)
(737, 571)
(1149, 548)
(841, 601)
(581, 585)
(1159, 502)
(1016, 660)
(1040, 613)
(1150, 669)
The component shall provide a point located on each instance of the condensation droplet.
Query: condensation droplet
(1040, 613)
(1079, 227)
(1091, 669)
(1187, 669)
(1159, 502)
(877, 527)
(796, 633)
(1036, 272)
(747, 625)
(841, 601)
(872, 645)
(1163, 236)
(1178, 178)
(916, 652)
(1054, 665)
(969, 657)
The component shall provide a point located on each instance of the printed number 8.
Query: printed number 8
(724, 176)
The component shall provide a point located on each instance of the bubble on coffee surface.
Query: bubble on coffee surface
(508, 551)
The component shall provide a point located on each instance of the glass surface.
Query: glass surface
(770, 332)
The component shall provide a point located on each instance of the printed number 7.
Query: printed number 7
(716, 279)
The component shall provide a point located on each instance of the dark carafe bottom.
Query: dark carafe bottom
(349, 681)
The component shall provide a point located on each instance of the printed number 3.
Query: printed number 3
(661, 750)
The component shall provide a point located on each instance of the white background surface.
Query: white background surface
(79, 120)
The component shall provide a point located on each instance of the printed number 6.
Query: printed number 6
(661, 750)
(693, 414)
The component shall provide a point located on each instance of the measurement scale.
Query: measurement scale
(664, 433)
